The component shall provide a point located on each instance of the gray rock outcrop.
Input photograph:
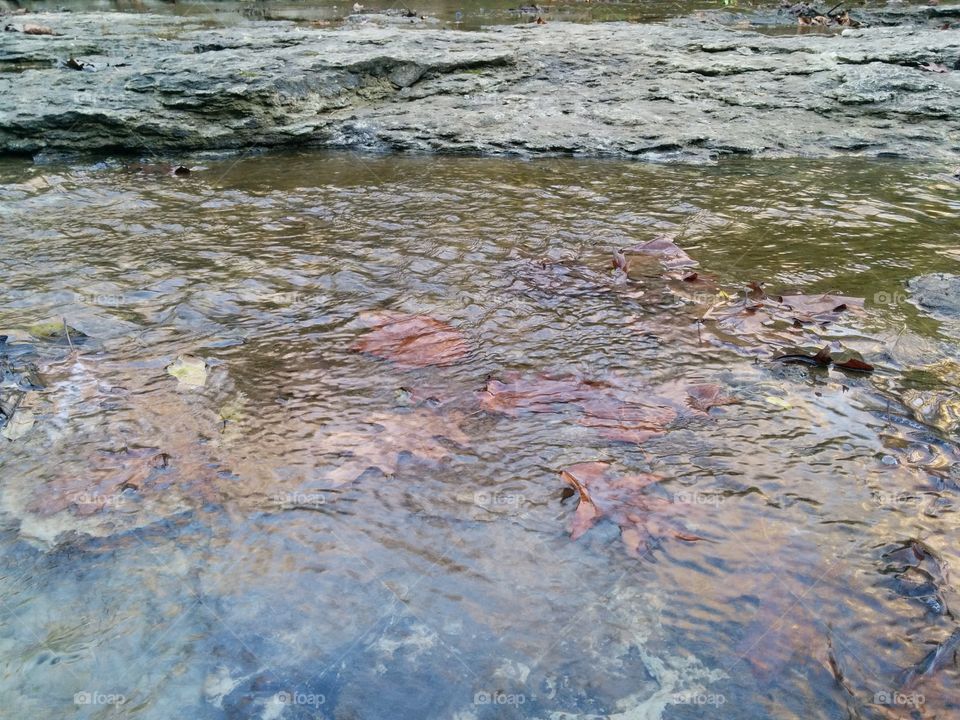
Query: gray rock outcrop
(689, 89)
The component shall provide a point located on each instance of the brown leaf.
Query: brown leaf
(515, 395)
(707, 395)
(622, 413)
(411, 341)
(379, 441)
(855, 365)
(643, 519)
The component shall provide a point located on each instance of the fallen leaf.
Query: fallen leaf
(516, 395)
(380, 441)
(411, 341)
(643, 519)
(666, 251)
(840, 357)
(189, 370)
(823, 308)
(58, 332)
(767, 320)
(708, 395)
(854, 364)
(621, 412)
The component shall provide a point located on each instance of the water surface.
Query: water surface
(240, 582)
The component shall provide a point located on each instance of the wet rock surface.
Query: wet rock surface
(937, 293)
(690, 89)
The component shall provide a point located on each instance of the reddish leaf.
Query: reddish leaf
(643, 519)
(855, 365)
(707, 395)
(541, 393)
(411, 341)
(620, 413)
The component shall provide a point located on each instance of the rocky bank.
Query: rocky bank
(691, 89)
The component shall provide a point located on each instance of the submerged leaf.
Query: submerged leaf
(643, 519)
(620, 412)
(666, 251)
(708, 395)
(191, 371)
(381, 440)
(411, 341)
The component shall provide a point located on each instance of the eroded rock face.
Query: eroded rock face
(688, 89)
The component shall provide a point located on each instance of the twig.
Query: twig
(66, 331)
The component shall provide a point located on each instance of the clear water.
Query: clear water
(239, 582)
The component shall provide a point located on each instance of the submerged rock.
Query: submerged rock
(938, 293)
(687, 89)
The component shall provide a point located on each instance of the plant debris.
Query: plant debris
(643, 518)
(410, 341)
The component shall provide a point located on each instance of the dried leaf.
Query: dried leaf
(379, 442)
(855, 364)
(411, 341)
(643, 519)
(708, 395)
(620, 412)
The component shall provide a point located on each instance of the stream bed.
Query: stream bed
(218, 502)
